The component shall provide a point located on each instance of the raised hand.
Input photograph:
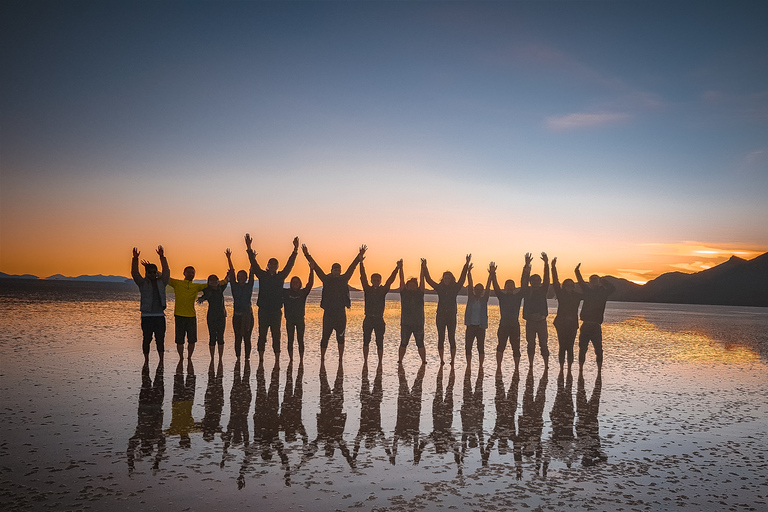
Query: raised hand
(528, 258)
(136, 252)
(248, 241)
(305, 250)
(470, 266)
(296, 243)
(544, 257)
(160, 251)
(492, 268)
(145, 262)
(469, 257)
(228, 252)
(361, 254)
(554, 261)
(400, 262)
(577, 267)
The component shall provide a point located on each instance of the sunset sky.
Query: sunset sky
(629, 136)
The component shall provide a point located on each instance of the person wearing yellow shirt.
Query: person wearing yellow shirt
(184, 310)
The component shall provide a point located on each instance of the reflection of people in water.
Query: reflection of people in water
(408, 412)
(596, 294)
(587, 426)
(412, 312)
(152, 302)
(214, 402)
(331, 419)
(237, 429)
(442, 419)
(182, 423)
(290, 411)
(266, 415)
(375, 302)
(505, 431)
(217, 314)
(472, 414)
(535, 311)
(241, 285)
(149, 428)
(447, 290)
(185, 292)
(270, 301)
(294, 303)
(567, 318)
(509, 312)
(476, 314)
(370, 413)
(562, 445)
(531, 421)
(335, 299)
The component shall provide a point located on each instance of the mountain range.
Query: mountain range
(736, 282)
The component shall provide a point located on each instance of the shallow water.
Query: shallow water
(677, 420)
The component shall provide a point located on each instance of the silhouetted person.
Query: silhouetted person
(531, 421)
(182, 422)
(239, 405)
(567, 318)
(472, 415)
(412, 312)
(535, 311)
(241, 286)
(149, 428)
(331, 419)
(185, 292)
(335, 299)
(587, 426)
(152, 302)
(596, 294)
(375, 302)
(505, 431)
(214, 402)
(290, 411)
(442, 435)
(370, 413)
(509, 312)
(408, 412)
(270, 300)
(476, 315)
(447, 291)
(217, 314)
(295, 305)
(562, 416)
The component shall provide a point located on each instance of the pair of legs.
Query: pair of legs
(508, 333)
(418, 337)
(534, 328)
(153, 325)
(269, 321)
(186, 326)
(591, 331)
(295, 330)
(336, 321)
(242, 324)
(216, 328)
(566, 336)
(475, 332)
(446, 325)
(373, 326)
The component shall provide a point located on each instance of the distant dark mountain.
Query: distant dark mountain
(3, 275)
(736, 282)
(98, 278)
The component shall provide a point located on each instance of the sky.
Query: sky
(631, 137)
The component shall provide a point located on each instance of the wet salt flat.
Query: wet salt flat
(677, 421)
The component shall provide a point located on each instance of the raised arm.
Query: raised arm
(320, 274)
(544, 257)
(464, 272)
(421, 275)
(555, 280)
(470, 284)
(231, 272)
(400, 272)
(391, 279)
(425, 270)
(135, 274)
(353, 265)
(526, 274)
(165, 272)
(255, 267)
(492, 279)
(291, 260)
(579, 279)
(488, 281)
(363, 277)
(310, 280)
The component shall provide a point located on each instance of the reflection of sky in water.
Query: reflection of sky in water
(683, 393)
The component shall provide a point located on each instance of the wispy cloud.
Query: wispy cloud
(703, 250)
(585, 120)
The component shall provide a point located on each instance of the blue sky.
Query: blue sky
(592, 130)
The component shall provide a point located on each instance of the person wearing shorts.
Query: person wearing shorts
(567, 318)
(185, 292)
(241, 285)
(447, 290)
(294, 304)
(509, 299)
(412, 312)
(596, 294)
(152, 302)
(217, 314)
(535, 311)
(375, 302)
(476, 315)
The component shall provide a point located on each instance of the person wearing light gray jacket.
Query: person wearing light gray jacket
(152, 303)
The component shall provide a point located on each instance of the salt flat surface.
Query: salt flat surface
(678, 420)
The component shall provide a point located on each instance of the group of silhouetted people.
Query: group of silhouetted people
(274, 300)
